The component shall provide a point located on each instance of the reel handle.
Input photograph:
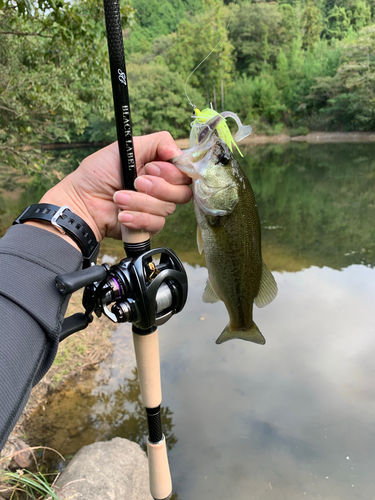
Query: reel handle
(74, 323)
(71, 282)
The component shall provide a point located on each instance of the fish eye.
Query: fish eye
(223, 158)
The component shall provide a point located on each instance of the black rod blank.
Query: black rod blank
(120, 92)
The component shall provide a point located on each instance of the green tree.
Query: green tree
(289, 27)
(194, 40)
(257, 100)
(283, 78)
(53, 63)
(264, 47)
(361, 15)
(345, 15)
(162, 17)
(347, 99)
(312, 24)
(158, 100)
(256, 32)
(338, 23)
(157, 18)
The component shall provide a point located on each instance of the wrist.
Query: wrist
(48, 227)
(64, 193)
(66, 222)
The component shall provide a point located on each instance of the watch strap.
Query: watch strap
(66, 222)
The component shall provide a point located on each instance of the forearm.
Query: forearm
(31, 313)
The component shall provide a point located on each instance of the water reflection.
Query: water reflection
(98, 406)
(321, 198)
(277, 421)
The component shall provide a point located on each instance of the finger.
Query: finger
(134, 201)
(168, 172)
(163, 190)
(142, 221)
(158, 146)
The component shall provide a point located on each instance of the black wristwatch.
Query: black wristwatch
(67, 223)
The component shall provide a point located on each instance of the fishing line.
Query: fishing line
(207, 56)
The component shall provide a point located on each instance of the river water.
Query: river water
(293, 419)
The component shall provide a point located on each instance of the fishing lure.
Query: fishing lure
(201, 119)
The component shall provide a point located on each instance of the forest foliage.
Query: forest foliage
(281, 65)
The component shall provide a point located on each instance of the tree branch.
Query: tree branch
(5, 108)
(23, 33)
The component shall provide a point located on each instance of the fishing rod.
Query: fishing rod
(146, 288)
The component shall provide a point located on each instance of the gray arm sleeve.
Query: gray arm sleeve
(31, 313)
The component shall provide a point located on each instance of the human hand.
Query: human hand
(94, 190)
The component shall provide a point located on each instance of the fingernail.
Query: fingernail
(121, 198)
(125, 217)
(142, 184)
(152, 169)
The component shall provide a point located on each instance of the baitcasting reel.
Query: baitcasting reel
(144, 291)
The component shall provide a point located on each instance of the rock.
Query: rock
(16, 454)
(6, 494)
(110, 470)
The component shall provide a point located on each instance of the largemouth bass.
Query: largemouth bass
(228, 232)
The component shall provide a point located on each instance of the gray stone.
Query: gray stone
(111, 470)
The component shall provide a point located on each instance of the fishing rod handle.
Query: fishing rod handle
(146, 346)
(133, 239)
(148, 364)
(159, 473)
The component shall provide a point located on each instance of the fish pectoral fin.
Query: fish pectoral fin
(251, 334)
(267, 288)
(209, 295)
(199, 240)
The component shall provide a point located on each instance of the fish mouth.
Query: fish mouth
(188, 160)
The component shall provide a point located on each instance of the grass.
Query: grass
(83, 349)
(23, 483)
(35, 486)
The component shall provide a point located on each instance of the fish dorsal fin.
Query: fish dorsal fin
(209, 295)
(267, 289)
(199, 240)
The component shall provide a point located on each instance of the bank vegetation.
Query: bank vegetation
(284, 66)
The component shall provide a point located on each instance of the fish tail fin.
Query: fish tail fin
(251, 334)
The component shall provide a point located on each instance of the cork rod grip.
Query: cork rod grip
(134, 237)
(148, 363)
(160, 476)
